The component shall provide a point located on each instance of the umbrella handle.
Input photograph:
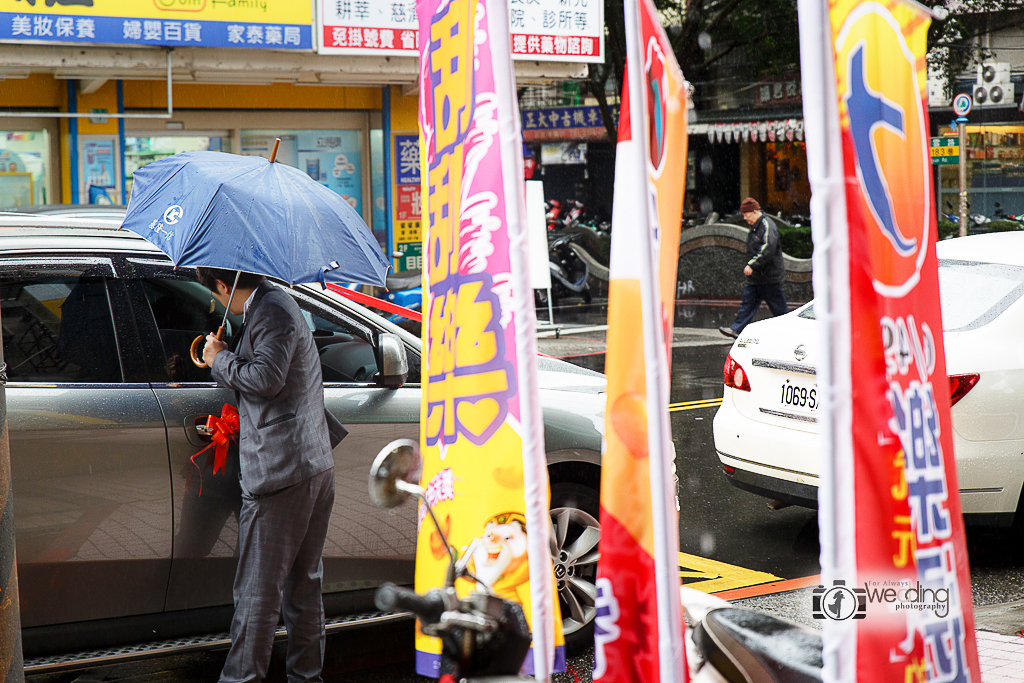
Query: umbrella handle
(197, 348)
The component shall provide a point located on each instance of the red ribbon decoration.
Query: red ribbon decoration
(224, 429)
(374, 302)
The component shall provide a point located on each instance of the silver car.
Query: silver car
(123, 533)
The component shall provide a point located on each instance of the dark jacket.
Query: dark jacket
(284, 436)
(764, 253)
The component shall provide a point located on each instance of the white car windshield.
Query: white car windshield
(973, 294)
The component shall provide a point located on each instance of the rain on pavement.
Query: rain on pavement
(730, 540)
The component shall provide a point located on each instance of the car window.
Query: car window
(182, 310)
(58, 327)
(973, 294)
(345, 345)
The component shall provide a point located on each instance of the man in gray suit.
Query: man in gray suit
(287, 476)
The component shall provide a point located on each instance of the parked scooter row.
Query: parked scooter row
(484, 637)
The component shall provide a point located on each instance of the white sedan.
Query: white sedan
(766, 432)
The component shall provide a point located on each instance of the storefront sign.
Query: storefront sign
(566, 123)
(274, 24)
(945, 151)
(542, 30)
(774, 93)
(563, 154)
(407, 196)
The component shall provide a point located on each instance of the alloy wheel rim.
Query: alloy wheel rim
(574, 552)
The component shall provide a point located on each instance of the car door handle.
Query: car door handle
(196, 431)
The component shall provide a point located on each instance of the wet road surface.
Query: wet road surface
(728, 538)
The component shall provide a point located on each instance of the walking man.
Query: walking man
(764, 270)
(287, 477)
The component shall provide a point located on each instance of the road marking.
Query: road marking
(710, 576)
(694, 405)
(771, 588)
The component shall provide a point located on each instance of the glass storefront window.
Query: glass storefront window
(142, 150)
(24, 168)
(331, 157)
(995, 173)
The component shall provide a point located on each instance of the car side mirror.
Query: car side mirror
(394, 362)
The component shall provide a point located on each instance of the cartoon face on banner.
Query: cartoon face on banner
(499, 560)
(880, 88)
(657, 102)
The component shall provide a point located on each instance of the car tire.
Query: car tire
(575, 531)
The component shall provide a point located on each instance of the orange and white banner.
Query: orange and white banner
(639, 626)
(896, 594)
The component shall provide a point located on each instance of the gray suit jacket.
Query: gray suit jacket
(275, 372)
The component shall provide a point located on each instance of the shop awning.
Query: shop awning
(770, 130)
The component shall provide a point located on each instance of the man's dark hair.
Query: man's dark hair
(208, 278)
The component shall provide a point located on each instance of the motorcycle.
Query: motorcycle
(481, 634)
(569, 272)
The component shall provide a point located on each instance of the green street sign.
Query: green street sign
(945, 151)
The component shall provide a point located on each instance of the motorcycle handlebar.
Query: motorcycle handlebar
(428, 608)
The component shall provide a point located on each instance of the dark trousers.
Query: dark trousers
(280, 573)
(753, 295)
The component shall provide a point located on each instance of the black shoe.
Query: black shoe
(728, 332)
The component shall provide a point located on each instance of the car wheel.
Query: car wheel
(575, 532)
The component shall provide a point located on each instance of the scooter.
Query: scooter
(727, 644)
(569, 272)
(481, 634)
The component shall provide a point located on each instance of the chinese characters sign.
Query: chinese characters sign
(888, 475)
(562, 123)
(407, 197)
(480, 414)
(274, 24)
(551, 30)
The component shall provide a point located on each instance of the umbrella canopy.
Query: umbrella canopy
(245, 213)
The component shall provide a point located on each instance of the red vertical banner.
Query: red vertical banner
(896, 601)
(638, 626)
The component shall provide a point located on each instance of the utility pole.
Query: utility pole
(962, 104)
(961, 124)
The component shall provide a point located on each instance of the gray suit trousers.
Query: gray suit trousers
(281, 538)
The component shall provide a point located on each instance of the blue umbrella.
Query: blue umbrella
(248, 214)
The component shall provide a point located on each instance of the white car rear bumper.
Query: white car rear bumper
(782, 464)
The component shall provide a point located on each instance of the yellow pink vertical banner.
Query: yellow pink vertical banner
(638, 626)
(484, 466)
(889, 510)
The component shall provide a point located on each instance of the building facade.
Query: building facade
(91, 91)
